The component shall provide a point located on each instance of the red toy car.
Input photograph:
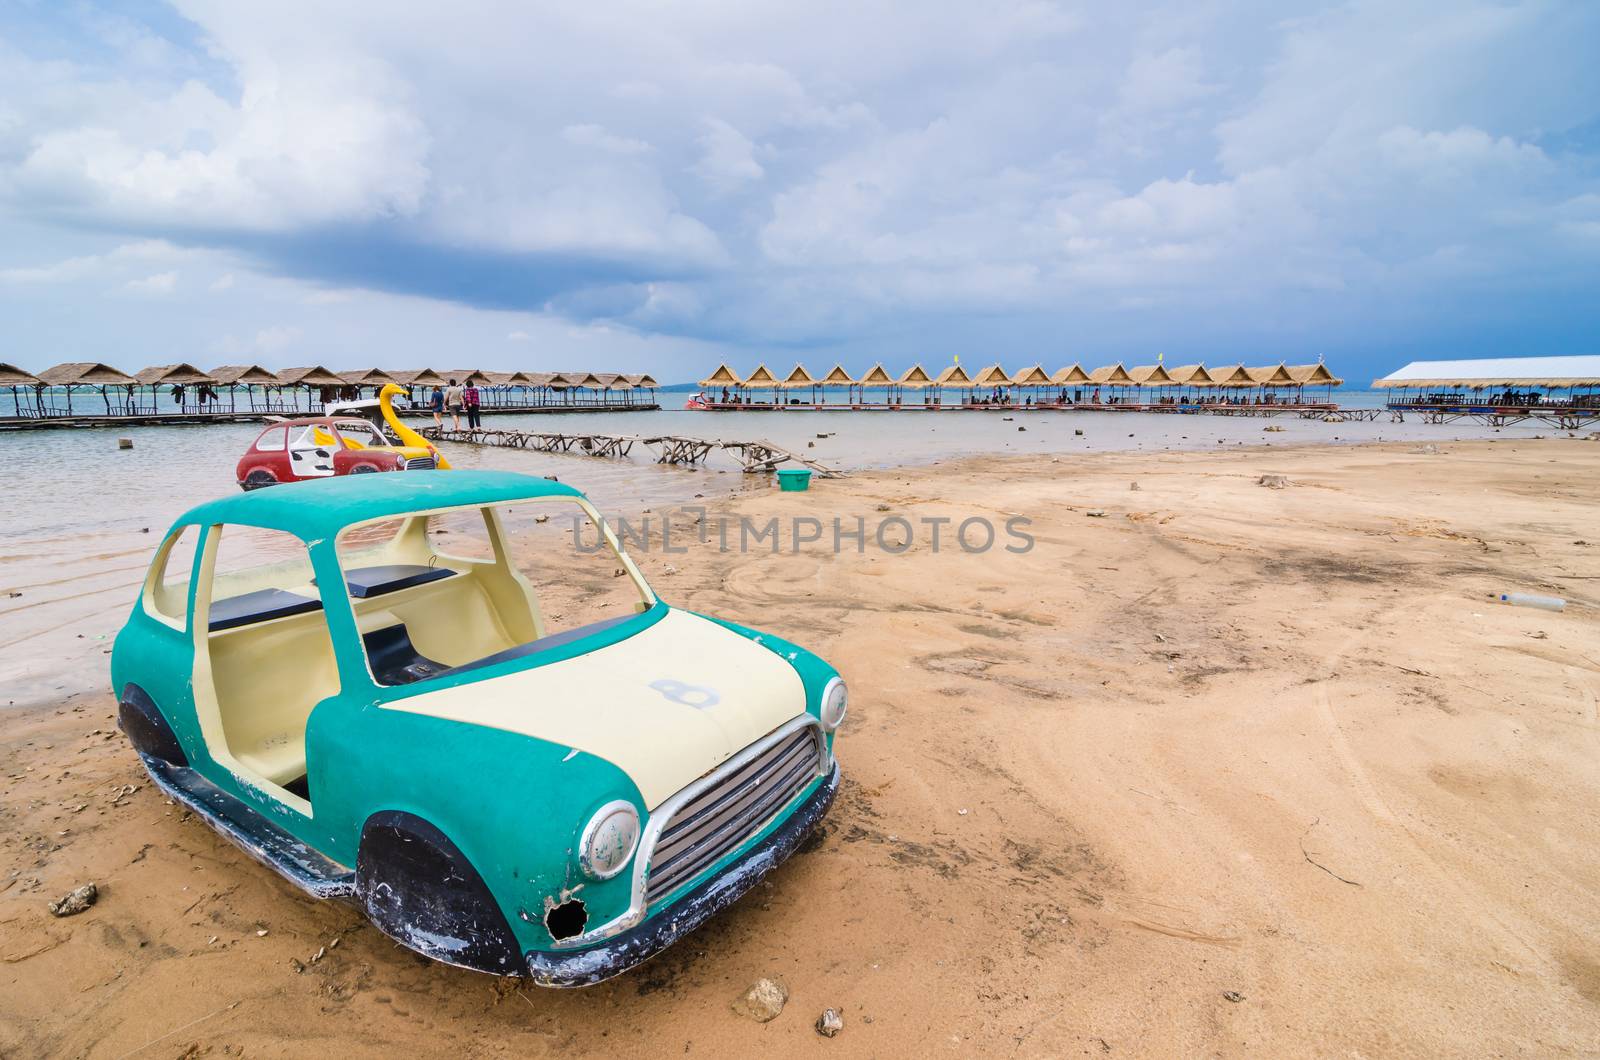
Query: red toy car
(323, 446)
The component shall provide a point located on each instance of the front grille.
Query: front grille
(420, 463)
(731, 810)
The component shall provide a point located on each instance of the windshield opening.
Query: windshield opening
(448, 591)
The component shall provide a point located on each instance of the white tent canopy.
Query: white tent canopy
(1498, 371)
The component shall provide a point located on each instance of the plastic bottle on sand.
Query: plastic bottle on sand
(1544, 603)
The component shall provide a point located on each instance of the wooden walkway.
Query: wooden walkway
(754, 457)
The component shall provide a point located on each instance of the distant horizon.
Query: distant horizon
(780, 368)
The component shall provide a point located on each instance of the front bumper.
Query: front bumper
(637, 945)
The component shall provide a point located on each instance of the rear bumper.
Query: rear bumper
(622, 952)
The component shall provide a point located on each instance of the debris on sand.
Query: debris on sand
(1232, 995)
(763, 1001)
(1095, 513)
(1134, 486)
(75, 902)
(1273, 482)
(883, 507)
(829, 1023)
(1426, 450)
(1274, 429)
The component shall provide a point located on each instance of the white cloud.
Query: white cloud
(729, 158)
(277, 338)
(222, 283)
(156, 284)
(329, 296)
(824, 174)
(590, 135)
(118, 259)
(517, 336)
(1172, 78)
(638, 91)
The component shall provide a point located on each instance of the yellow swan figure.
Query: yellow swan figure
(406, 435)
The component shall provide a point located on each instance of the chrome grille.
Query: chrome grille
(420, 463)
(731, 810)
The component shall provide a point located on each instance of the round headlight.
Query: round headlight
(608, 840)
(835, 701)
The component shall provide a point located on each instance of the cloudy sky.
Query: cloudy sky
(661, 186)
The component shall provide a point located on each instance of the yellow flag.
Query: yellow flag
(958, 358)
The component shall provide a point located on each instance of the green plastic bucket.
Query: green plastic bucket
(794, 479)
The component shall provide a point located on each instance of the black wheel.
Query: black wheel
(146, 728)
(421, 891)
(362, 469)
(258, 479)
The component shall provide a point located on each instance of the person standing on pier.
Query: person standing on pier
(438, 407)
(454, 399)
(473, 401)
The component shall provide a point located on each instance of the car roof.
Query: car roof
(320, 508)
(318, 421)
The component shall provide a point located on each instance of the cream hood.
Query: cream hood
(665, 705)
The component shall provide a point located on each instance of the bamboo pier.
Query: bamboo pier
(181, 394)
(754, 457)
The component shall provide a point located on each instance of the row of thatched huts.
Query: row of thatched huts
(957, 377)
(264, 390)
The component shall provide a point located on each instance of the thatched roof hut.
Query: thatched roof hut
(1075, 374)
(1150, 375)
(916, 377)
(643, 381)
(1113, 374)
(761, 377)
(1190, 375)
(466, 376)
(798, 377)
(175, 375)
(368, 377)
(244, 375)
(837, 376)
(877, 376)
(955, 375)
(1231, 375)
(723, 376)
(409, 377)
(11, 375)
(314, 375)
(1313, 375)
(993, 375)
(1276, 375)
(85, 373)
(1034, 376)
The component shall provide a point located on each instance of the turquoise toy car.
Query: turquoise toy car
(455, 701)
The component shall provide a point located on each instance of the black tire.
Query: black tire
(418, 888)
(146, 728)
(258, 479)
(362, 469)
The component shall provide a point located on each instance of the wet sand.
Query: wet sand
(1245, 771)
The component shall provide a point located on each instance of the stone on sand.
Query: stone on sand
(763, 1001)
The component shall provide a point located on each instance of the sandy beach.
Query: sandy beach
(1214, 768)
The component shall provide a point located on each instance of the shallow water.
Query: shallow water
(83, 516)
